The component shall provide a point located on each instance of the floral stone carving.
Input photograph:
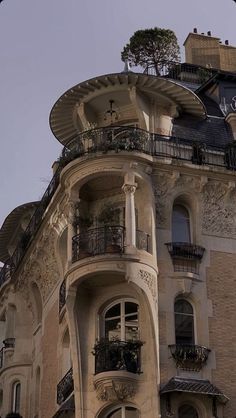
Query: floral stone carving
(116, 388)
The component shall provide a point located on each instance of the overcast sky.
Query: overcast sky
(48, 46)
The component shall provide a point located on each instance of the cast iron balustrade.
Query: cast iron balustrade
(1, 357)
(9, 343)
(143, 241)
(114, 354)
(62, 296)
(116, 139)
(189, 356)
(186, 257)
(65, 387)
(105, 239)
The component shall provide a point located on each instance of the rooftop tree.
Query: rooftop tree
(152, 48)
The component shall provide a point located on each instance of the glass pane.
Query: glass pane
(112, 329)
(113, 311)
(130, 307)
(180, 224)
(187, 411)
(184, 333)
(115, 414)
(131, 412)
(182, 306)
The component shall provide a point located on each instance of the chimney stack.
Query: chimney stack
(226, 42)
(209, 33)
(194, 30)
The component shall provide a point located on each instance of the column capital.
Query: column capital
(129, 188)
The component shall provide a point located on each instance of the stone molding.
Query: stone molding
(116, 386)
(150, 281)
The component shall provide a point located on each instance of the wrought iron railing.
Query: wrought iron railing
(105, 239)
(189, 356)
(180, 71)
(9, 343)
(186, 257)
(117, 355)
(62, 296)
(65, 387)
(116, 139)
(1, 357)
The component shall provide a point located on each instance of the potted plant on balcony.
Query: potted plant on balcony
(109, 219)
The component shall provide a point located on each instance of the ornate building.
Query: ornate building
(117, 294)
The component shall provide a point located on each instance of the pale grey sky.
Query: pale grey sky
(48, 46)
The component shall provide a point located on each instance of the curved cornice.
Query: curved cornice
(62, 116)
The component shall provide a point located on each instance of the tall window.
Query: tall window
(180, 224)
(187, 411)
(184, 322)
(16, 389)
(124, 412)
(121, 321)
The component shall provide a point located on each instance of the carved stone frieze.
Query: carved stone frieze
(219, 209)
(109, 389)
(150, 281)
(41, 267)
(165, 184)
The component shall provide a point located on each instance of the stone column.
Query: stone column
(130, 223)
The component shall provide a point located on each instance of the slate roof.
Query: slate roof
(201, 387)
(213, 131)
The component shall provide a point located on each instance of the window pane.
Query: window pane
(112, 329)
(16, 397)
(115, 414)
(180, 224)
(128, 410)
(187, 411)
(183, 306)
(130, 307)
(113, 311)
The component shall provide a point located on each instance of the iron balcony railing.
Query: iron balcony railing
(117, 355)
(189, 356)
(9, 343)
(186, 257)
(117, 139)
(65, 387)
(180, 71)
(105, 239)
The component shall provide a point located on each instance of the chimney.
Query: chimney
(226, 42)
(209, 33)
(194, 30)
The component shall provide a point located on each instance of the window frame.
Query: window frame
(189, 227)
(16, 397)
(121, 301)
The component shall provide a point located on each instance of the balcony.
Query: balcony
(117, 355)
(186, 257)
(116, 139)
(189, 356)
(65, 387)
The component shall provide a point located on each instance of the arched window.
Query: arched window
(184, 322)
(120, 321)
(123, 412)
(16, 390)
(180, 224)
(187, 411)
(66, 358)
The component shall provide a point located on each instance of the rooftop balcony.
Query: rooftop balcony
(117, 139)
(189, 356)
(186, 257)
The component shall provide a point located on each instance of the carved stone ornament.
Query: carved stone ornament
(41, 267)
(150, 281)
(129, 188)
(165, 184)
(219, 209)
(115, 389)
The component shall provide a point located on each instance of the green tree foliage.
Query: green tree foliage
(152, 47)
